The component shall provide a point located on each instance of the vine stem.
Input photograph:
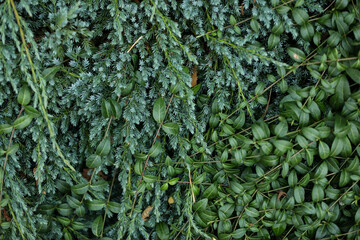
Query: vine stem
(32, 67)
(148, 156)
(107, 202)
(343, 195)
(6, 159)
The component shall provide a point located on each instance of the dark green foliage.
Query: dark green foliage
(179, 119)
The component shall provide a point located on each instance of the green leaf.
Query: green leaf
(32, 111)
(278, 29)
(314, 110)
(236, 187)
(4, 202)
(356, 31)
(299, 194)
(283, 145)
(299, 3)
(239, 121)
(228, 130)
(138, 167)
(254, 25)
(334, 39)
(252, 212)
(115, 108)
(128, 89)
(150, 178)
(93, 161)
(162, 231)
(317, 193)
(333, 228)
(80, 211)
(63, 186)
(200, 205)
(73, 202)
(310, 133)
(80, 188)
(78, 225)
(5, 225)
(344, 178)
(337, 146)
(232, 20)
(259, 131)
(278, 228)
(5, 128)
(94, 205)
(354, 74)
(63, 220)
(47, 209)
(159, 110)
(96, 225)
(99, 185)
(283, 9)
(239, 233)
(171, 128)
(106, 109)
(321, 171)
(324, 150)
(296, 54)
(24, 96)
(103, 148)
(155, 150)
(49, 73)
(211, 192)
(292, 179)
(226, 211)
(281, 129)
(357, 216)
(341, 4)
(23, 122)
(307, 31)
(173, 181)
(13, 149)
(273, 41)
(164, 187)
(300, 16)
(114, 207)
(65, 209)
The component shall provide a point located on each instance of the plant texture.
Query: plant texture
(167, 119)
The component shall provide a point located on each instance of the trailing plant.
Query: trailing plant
(179, 119)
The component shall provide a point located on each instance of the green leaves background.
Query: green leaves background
(98, 96)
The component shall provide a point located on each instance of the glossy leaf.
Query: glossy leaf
(159, 110)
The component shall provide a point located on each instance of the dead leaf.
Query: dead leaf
(194, 77)
(6, 215)
(171, 200)
(146, 213)
(87, 176)
(281, 193)
(37, 181)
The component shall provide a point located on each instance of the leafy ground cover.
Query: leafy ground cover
(179, 119)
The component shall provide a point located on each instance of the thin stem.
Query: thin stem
(5, 162)
(107, 202)
(148, 156)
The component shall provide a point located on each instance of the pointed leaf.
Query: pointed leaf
(93, 161)
(171, 128)
(24, 96)
(22, 122)
(103, 148)
(96, 225)
(159, 110)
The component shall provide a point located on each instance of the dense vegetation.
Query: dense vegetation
(167, 119)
